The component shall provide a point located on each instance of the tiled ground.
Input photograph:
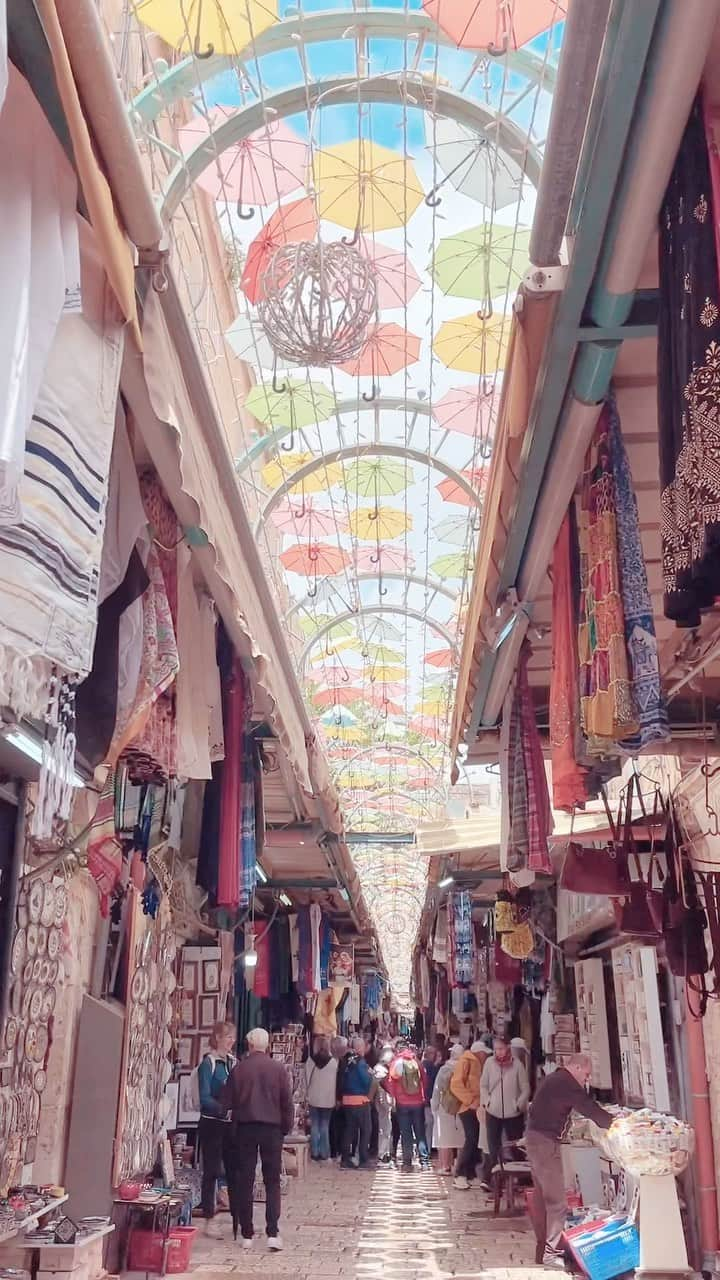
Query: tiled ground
(380, 1225)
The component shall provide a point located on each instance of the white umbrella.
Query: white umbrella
(473, 164)
(249, 341)
(454, 529)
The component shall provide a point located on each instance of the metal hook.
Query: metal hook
(431, 200)
(288, 448)
(485, 312)
(709, 773)
(368, 397)
(245, 216)
(312, 591)
(375, 557)
(280, 388)
(382, 591)
(202, 54)
(354, 238)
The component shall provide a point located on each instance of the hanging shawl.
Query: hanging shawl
(568, 777)
(526, 816)
(460, 913)
(689, 379)
(607, 708)
(237, 850)
(637, 607)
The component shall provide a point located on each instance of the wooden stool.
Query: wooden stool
(299, 1145)
(507, 1177)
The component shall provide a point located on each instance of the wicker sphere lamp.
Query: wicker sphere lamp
(318, 302)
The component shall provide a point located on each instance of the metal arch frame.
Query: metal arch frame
(298, 98)
(374, 450)
(407, 751)
(179, 81)
(393, 404)
(379, 795)
(368, 611)
(434, 585)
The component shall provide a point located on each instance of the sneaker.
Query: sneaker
(347, 1164)
(461, 1184)
(485, 1186)
(246, 1244)
(213, 1229)
(553, 1259)
(385, 1160)
(275, 1243)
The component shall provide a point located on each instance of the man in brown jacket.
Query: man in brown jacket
(259, 1096)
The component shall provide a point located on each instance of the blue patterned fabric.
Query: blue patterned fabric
(463, 959)
(248, 845)
(639, 622)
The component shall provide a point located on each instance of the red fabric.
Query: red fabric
(396, 1088)
(568, 777)
(235, 710)
(261, 985)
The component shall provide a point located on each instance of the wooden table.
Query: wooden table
(165, 1210)
(299, 1144)
(507, 1177)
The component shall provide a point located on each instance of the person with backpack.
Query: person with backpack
(465, 1089)
(321, 1083)
(214, 1130)
(407, 1083)
(358, 1089)
(449, 1135)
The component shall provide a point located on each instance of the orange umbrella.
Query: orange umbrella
(318, 559)
(388, 349)
(384, 704)
(289, 224)
(451, 491)
(426, 727)
(495, 24)
(339, 696)
(439, 658)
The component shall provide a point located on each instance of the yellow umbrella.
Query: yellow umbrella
(388, 673)
(349, 734)
(379, 522)
(205, 27)
(362, 185)
(472, 344)
(432, 706)
(279, 470)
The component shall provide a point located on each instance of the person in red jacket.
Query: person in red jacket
(407, 1083)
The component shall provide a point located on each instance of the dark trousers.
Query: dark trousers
(337, 1125)
(467, 1160)
(412, 1130)
(513, 1128)
(395, 1129)
(214, 1136)
(358, 1130)
(248, 1139)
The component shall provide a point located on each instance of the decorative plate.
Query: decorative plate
(36, 1004)
(27, 997)
(47, 916)
(48, 1003)
(54, 941)
(27, 972)
(42, 940)
(11, 1034)
(17, 954)
(37, 965)
(16, 999)
(139, 986)
(40, 1080)
(34, 1113)
(60, 904)
(31, 1038)
(42, 1042)
(36, 901)
(44, 972)
(31, 938)
(53, 971)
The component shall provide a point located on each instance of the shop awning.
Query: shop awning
(171, 402)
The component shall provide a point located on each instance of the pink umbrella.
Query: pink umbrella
(388, 349)
(303, 520)
(397, 279)
(451, 491)
(495, 24)
(426, 727)
(339, 696)
(468, 411)
(384, 704)
(383, 559)
(259, 169)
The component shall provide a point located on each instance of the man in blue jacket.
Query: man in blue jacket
(358, 1086)
(214, 1127)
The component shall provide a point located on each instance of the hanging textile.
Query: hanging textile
(640, 639)
(327, 937)
(568, 777)
(294, 949)
(198, 681)
(689, 380)
(237, 866)
(460, 914)
(607, 709)
(40, 268)
(440, 939)
(525, 819)
(315, 921)
(305, 953)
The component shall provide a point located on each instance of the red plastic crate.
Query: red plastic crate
(145, 1253)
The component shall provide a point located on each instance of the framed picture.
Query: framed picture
(186, 1052)
(208, 1012)
(211, 975)
(187, 1009)
(187, 1112)
(189, 976)
(203, 1046)
(172, 1097)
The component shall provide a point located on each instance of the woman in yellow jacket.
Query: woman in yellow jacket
(465, 1086)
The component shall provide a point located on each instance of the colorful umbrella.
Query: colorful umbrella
(315, 559)
(473, 344)
(249, 342)
(380, 628)
(388, 348)
(495, 24)
(309, 625)
(258, 170)
(341, 717)
(383, 653)
(379, 522)
(384, 560)
(451, 491)
(289, 224)
(440, 658)
(468, 411)
(303, 520)
(385, 673)
(350, 734)
(454, 529)
(396, 279)
(481, 263)
(204, 27)
(378, 477)
(362, 185)
(298, 404)
(383, 703)
(281, 469)
(473, 164)
(340, 695)
(455, 565)
(425, 727)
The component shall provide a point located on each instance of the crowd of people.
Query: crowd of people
(388, 1104)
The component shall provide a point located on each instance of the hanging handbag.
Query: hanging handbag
(637, 916)
(505, 919)
(598, 870)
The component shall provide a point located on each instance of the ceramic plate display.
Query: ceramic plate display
(140, 985)
(48, 1003)
(16, 999)
(31, 938)
(27, 971)
(36, 900)
(60, 903)
(18, 951)
(37, 965)
(36, 1004)
(44, 972)
(31, 1036)
(42, 1040)
(42, 940)
(54, 939)
(11, 1033)
(47, 916)
(40, 1080)
(53, 972)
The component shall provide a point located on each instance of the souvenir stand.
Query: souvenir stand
(288, 1047)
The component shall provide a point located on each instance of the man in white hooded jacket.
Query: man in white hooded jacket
(504, 1095)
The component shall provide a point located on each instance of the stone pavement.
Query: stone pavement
(379, 1225)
